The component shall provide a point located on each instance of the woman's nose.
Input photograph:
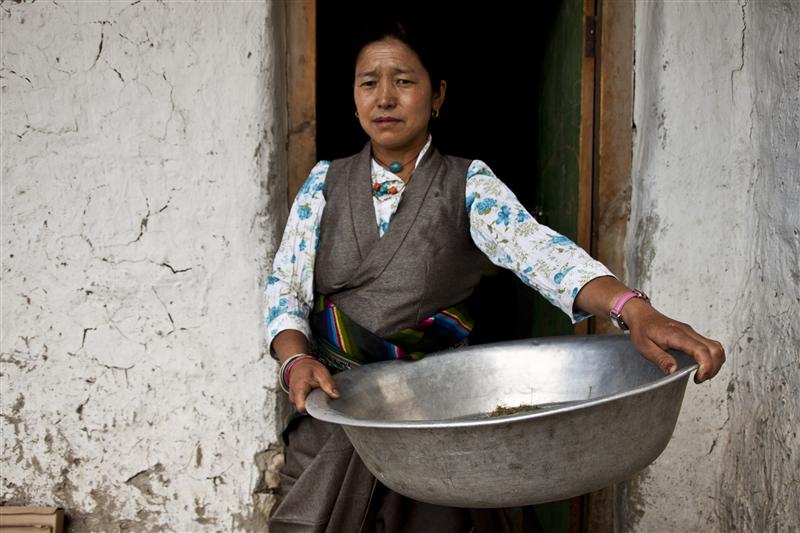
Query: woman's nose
(386, 95)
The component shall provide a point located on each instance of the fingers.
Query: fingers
(709, 354)
(684, 338)
(651, 351)
(665, 334)
(298, 393)
(327, 384)
(306, 376)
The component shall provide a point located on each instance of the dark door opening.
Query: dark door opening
(513, 101)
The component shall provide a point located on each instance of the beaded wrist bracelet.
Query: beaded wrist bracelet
(286, 368)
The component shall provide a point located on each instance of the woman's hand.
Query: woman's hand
(305, 376)
(652, 333)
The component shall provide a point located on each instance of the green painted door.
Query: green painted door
(558, 144)
(558, 168)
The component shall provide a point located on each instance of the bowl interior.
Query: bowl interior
(489, 382)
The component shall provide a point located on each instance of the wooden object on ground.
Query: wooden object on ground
(31, 520)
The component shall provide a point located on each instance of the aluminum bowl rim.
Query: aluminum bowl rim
(317, 400)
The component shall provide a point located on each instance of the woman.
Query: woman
(393, 276)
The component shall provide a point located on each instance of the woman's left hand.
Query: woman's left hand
(652, 333)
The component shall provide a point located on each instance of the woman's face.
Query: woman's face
(393, 95)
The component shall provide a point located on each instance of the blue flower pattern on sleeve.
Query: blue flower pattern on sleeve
(470, 200)
(289, 290)
(279, 309)
(543, 259)
(303, 212)
(559, 277)
(485, 205)
(502, 216)
(560, 240)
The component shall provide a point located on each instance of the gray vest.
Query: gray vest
(426, 261)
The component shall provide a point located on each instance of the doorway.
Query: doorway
(515, 99)
(602, 153)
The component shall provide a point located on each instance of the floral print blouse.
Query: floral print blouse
(500, 227)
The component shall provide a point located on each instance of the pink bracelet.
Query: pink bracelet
(287, 372)
(615, 313)
(287, 366)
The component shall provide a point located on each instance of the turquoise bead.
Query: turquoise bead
(395, 166)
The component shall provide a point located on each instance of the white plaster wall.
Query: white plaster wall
(140, 145)
(714, 237)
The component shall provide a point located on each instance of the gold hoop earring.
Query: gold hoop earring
(357, 115)
(435, 113)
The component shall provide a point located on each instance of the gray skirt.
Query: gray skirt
(325, 488)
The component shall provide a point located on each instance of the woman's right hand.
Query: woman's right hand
(307, 375)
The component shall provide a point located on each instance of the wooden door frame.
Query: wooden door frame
(605, 159)
(586, 136)
(613, 143)
(301, 80)
(611, 181)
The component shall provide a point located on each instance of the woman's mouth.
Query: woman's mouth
(386, 121)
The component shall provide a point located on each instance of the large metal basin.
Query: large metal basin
(422, 428)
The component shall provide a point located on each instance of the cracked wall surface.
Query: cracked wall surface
(715, 239)
(141, 145)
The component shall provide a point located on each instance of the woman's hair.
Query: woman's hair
(412, 35)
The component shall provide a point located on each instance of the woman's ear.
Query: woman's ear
(438, 96)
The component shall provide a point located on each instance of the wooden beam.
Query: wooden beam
(586, 143)
(577, 518)
(301, 44)
(613, 154)
(586, 131)
(614, 139)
